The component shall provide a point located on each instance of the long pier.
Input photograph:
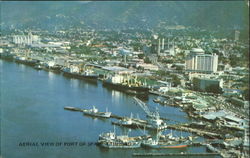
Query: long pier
(176, 154)
(183, 127)
(139, 123)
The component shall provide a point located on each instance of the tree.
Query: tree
(146, 60)
(162, 73)
(140, 56)
(176, 80)
(246, 93)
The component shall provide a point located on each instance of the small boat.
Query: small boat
(157, 100)
(72, 108)
(94, 112)
(38, 67)
(106, 136)
(126, 122)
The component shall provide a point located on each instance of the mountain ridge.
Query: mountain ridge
(119, 14)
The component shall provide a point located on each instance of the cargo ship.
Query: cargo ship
(7, 56)
(52, 66)
(94, 112)
(126, 84)
(25, 60)
(74, 71)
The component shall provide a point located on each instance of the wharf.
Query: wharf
(176, 154)
(111, 116)
(183, 127)
(142, 124)
(138, 123)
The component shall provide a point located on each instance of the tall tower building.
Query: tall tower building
(159, 47)
(236, 35)
(198, 61)
(162, 44)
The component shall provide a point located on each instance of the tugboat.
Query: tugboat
(111, 140)
(38, 67)
(94, 112)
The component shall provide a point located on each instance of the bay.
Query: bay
(32, 112)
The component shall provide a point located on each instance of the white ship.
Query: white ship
(94, 112)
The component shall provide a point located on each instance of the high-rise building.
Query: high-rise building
(198, 61)
(162, 44)
(159, 47)
(236, 35)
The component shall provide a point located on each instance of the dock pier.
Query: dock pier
(176, 154)
(138, 123)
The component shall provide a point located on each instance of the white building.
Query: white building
(148, 66)
(198, 61)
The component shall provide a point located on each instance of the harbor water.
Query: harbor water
(35, 124)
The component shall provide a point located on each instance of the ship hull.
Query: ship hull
(6, 57)
(98, 114)
(177, 146)
(79, 76)
(120, 146)
(125, 125)
(55, 69)
(26, 62)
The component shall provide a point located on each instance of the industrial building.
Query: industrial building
(207, 85)
(26, 39)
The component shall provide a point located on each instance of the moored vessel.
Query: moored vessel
(126, 84)
(150, 143)
(74, 71)
(38, 67)
(94, 112)
(111, 140)
(25, 60)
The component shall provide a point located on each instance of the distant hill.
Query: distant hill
(98, 14)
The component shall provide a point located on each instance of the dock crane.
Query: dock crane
(146, 109)
(153, 117)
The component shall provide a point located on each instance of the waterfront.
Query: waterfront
(32, 111)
